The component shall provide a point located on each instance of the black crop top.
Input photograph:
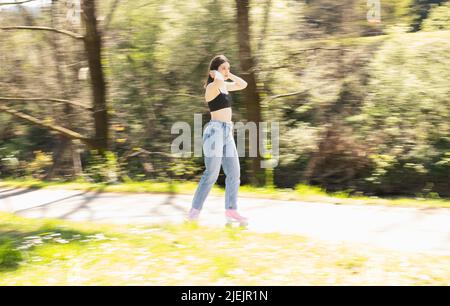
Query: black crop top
(221, 101)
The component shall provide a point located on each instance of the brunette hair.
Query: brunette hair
(214, 65)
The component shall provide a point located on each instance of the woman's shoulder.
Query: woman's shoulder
(211, 92)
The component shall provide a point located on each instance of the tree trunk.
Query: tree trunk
(93, 47)
(252, 98)
(66, 159)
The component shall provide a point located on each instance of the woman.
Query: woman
(218, 142)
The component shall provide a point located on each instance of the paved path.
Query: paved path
(400, 228)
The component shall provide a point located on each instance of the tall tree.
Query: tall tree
(252, 96)
(66, 149)
(92, 40)
(93, 46)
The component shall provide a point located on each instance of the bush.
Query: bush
(439, 18)
(102, 168)
(9, 256)
(38, 166)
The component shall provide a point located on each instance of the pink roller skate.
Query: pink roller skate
(232, 216)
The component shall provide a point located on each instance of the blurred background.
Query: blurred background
(89, 92)
(90, 89)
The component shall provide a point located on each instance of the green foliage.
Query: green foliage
(438, 19)
(406, 112)
(40, 164)
(9, 256)
(12, 156)
(183, 168)
(309, 190)
(102, 167)
(420, 10)
(155, 63)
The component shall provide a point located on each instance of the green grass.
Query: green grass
(54, 252)
(300, 192)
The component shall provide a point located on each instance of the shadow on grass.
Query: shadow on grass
(15, 242)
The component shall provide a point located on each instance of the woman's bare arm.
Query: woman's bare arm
(237, 84)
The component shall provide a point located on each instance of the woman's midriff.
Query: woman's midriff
(223, 114)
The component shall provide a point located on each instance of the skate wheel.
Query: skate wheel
(243, 225)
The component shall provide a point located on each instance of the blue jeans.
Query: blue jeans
(220, 149)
